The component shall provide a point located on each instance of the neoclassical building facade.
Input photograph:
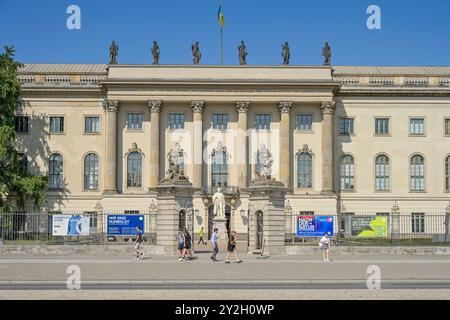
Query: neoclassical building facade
(357, 139)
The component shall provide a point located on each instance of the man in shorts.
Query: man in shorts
(137, 245)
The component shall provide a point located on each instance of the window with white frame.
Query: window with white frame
(56, 124)
(304, 122)
(381, 126)
(21, 124)
(134, 170)
(304, 170)
(177, 121)
(447, 127)
(56, 171)
(418, 222)
(134, 121)
(417, 172)
(262, 121)
(347, 173)
(346, 126)
(92, 125)
(417, 126)
(220, 121)
(382, 173)
(91, 171)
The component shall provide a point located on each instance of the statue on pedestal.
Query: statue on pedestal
(155, 52)
(219, 204)
(286, 53)
(113, 53)
(196, 53)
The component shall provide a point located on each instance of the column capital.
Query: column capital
(242, 106)
(198, 106)
(155, 106)
(285, 106)
(110, 105)
(328, 107)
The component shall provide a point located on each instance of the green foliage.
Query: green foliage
(13, 182)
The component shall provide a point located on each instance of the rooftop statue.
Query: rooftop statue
(326, 52)
(242, 53)
(155, 52)
(113, 53)
(196, 53)
(286, 53)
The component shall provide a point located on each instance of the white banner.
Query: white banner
(70, 225)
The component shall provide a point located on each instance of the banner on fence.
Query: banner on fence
(314, 226)
(125, 224)
(70, 225)
(368, 227)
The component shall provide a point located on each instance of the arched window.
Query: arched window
(134, 170)
(219, 167)
(304, 170)
(447, 174)
(417, 172)
(22, 163)
(347, 173)
(91, 172)
(382, 173)
(56, 172)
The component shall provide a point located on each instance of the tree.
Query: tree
(14, 184)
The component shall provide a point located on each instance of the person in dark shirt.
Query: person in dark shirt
(232, 247)
(137, 246)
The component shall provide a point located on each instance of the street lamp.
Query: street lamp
(197, 213)
(243, 213)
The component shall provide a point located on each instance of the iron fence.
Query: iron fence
(402, 228)
(37, 228)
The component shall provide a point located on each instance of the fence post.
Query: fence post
(395, 222)
(447, 223)
(44, 231)
(99, 210)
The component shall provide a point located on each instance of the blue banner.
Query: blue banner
(124, 224)
(314, 226)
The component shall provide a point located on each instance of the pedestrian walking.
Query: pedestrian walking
(137, 244)
(324, 245)
(202, 234)
(214, 244)
(187, 245)
(181, 245)
(232, 247)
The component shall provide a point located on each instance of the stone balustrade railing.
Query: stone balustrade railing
(62, 79)
(392, 81)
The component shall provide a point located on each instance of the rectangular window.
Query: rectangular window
(91, 125)
(346, 126)
(304, 122)
(176, 120)
(447, 127)
(382, 126)
(417, 126)
(56, 124)
(418, 222)
(134, 121)
(262, 121)
(220, 121)
(131, 211)
(21, 124)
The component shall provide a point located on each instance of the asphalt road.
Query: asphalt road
(46, 274)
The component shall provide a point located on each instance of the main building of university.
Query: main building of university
(339, 139)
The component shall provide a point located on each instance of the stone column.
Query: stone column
(285, 147)
(242, 143)
(197, 158)
(110, 173)
(155, 109)
(327, 109)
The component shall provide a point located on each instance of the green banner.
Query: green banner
(370, 227)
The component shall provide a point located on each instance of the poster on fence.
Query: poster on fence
(370, 227)
(125, 224)
(314, 226)
(70, 225)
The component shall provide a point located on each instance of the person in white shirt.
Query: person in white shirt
(214, 244)
(324, 244)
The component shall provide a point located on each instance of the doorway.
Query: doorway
(181, 220)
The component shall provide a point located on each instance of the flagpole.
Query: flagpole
(221, 37)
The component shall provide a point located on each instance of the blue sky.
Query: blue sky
(413, 32)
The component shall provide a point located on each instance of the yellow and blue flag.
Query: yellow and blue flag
(220, 16)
